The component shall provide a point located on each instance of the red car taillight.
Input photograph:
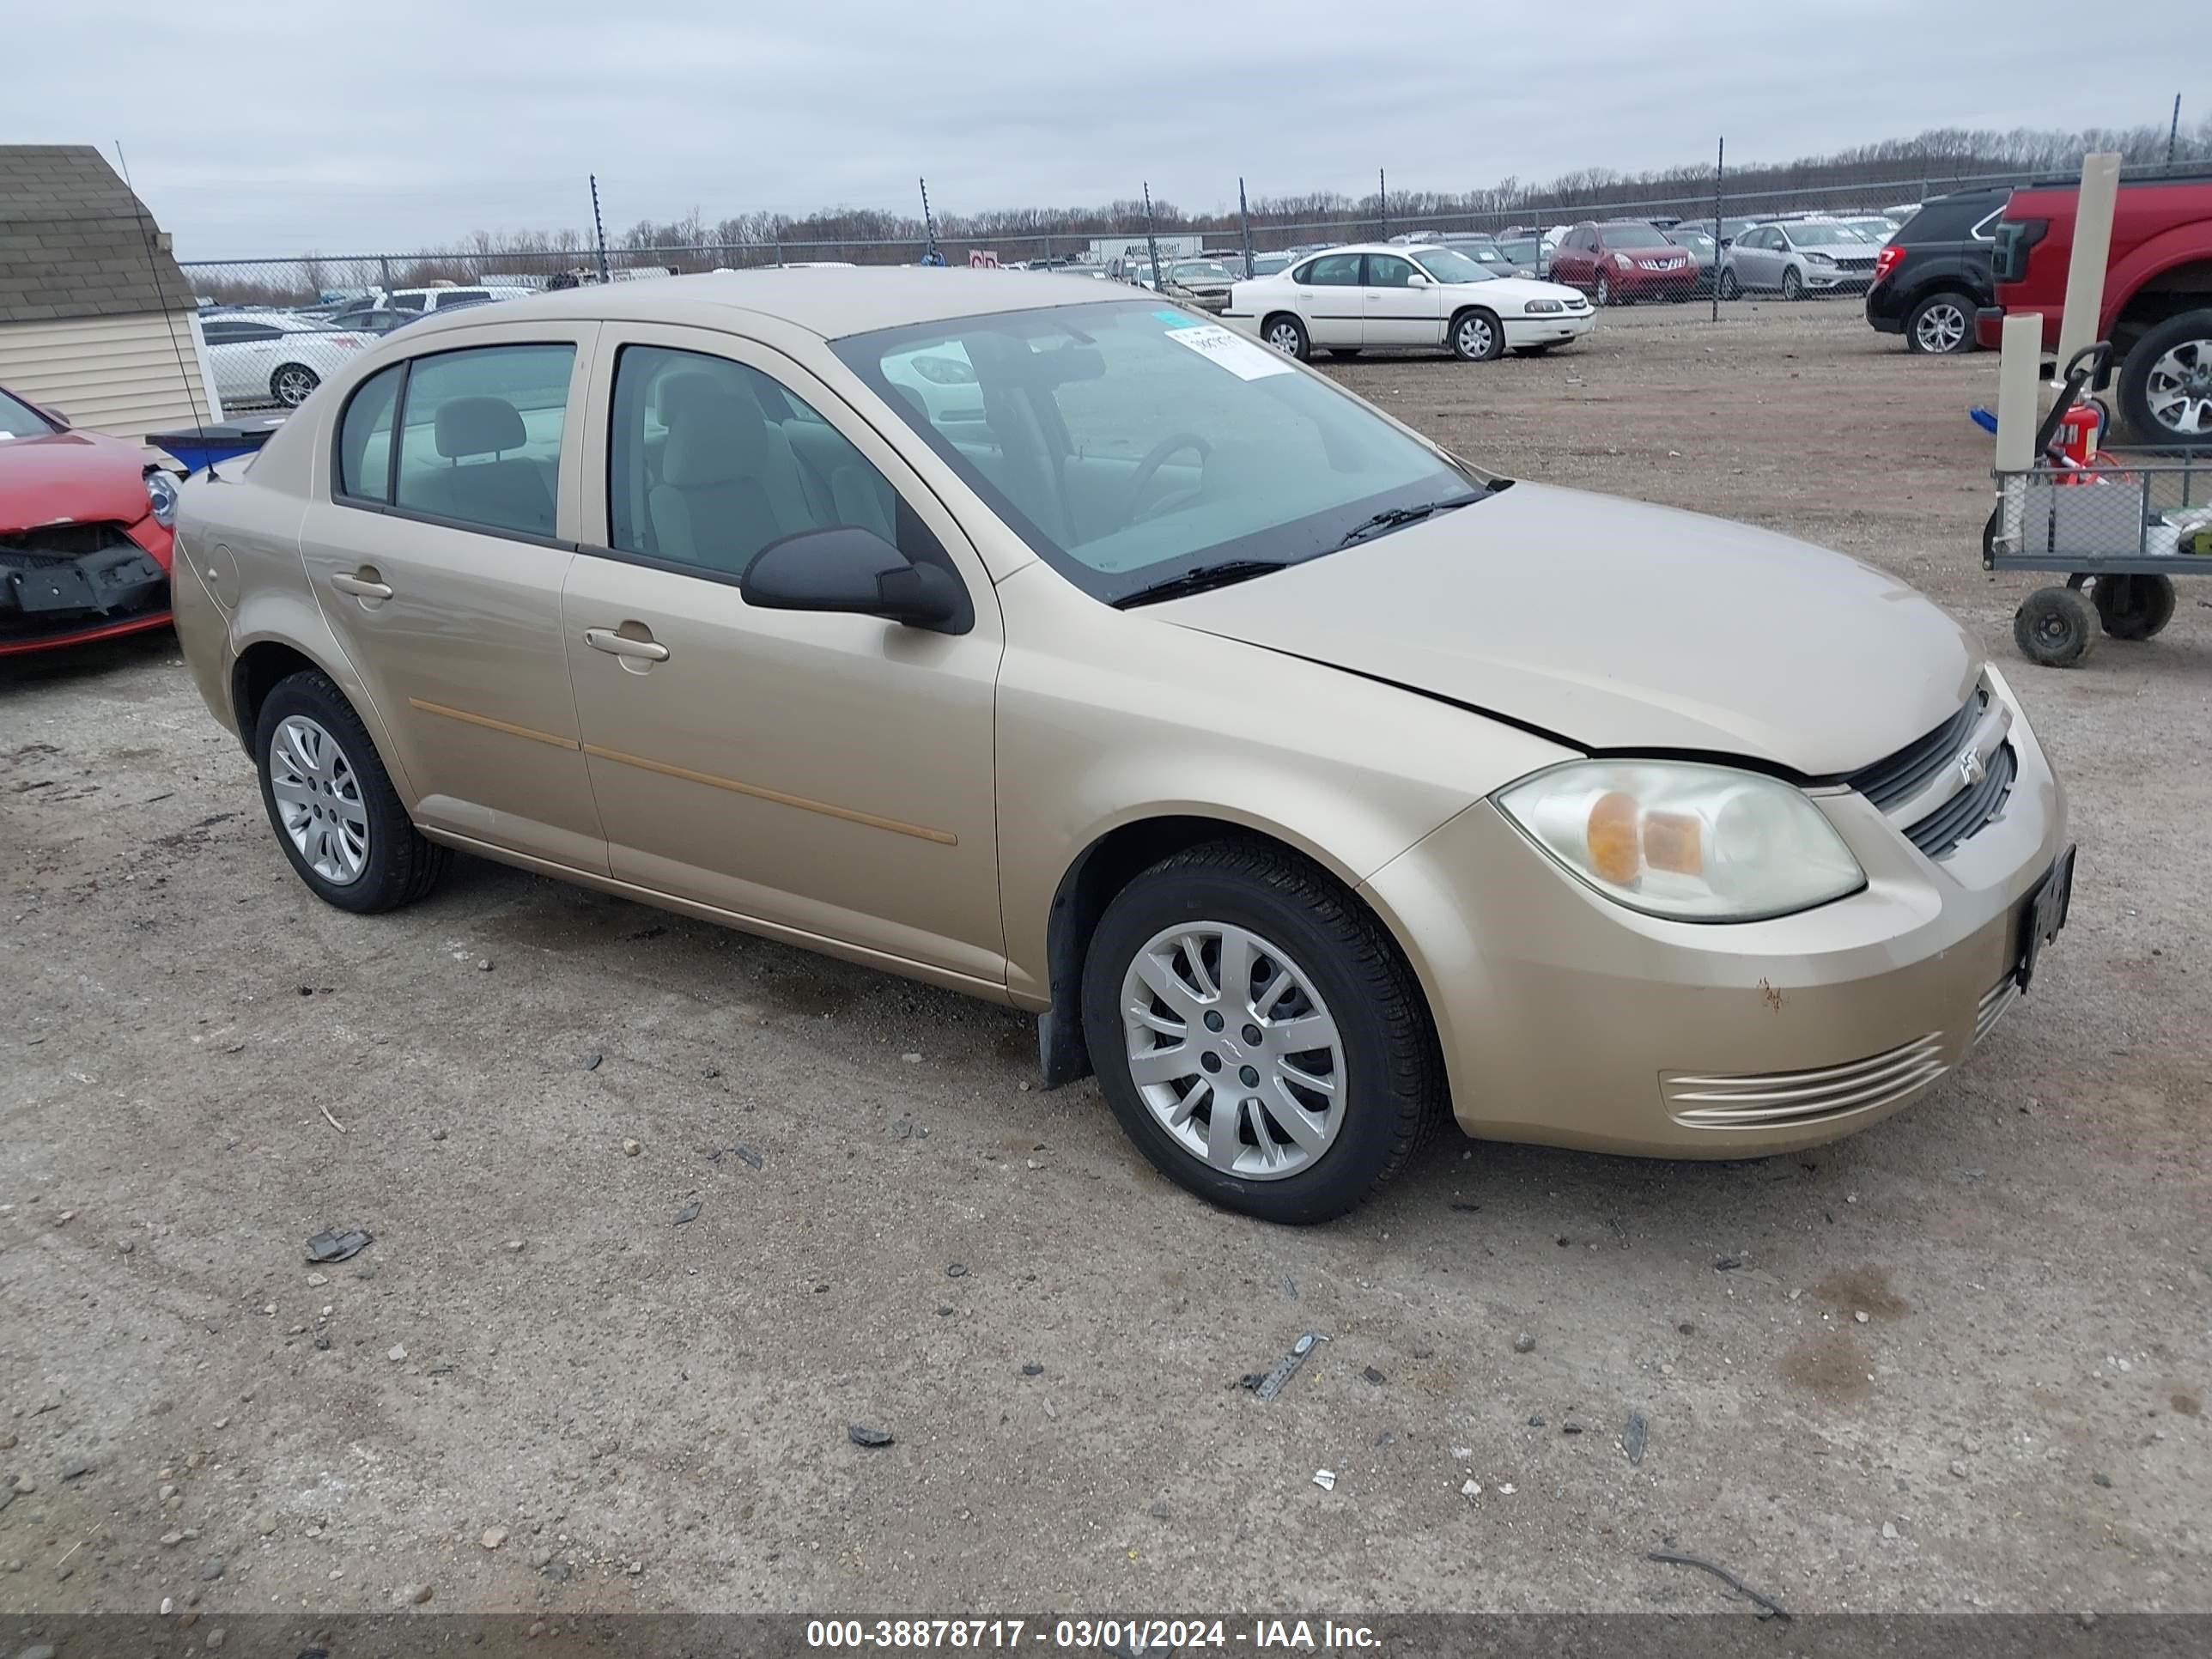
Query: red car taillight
(1887, 260)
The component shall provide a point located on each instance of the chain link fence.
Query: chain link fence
(1696, 244)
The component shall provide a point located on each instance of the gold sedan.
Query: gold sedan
(1063, 647)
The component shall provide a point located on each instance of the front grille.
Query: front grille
(1756, 1100)
(1967, 811)
(24, 550)
(1902, 776)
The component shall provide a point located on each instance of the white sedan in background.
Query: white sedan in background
(1383, 295)
(274, 356)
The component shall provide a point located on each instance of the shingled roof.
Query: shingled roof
(75, 242)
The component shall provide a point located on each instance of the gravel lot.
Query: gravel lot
(1960, 1366)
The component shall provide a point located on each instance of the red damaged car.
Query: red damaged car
(84, 533)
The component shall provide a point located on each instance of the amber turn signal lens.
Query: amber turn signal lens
(1671, 842)
(1614, 855)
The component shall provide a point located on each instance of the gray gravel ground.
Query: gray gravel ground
(1962, 1365)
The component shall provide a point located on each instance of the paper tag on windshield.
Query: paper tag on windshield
(1246, 359)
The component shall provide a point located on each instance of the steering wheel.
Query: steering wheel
(1175, 443)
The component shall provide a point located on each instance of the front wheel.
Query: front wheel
(1793, 285)
(332, 803)
(292, 384)
(1602, 295)
(2054, 626)
(1477, 336)
(1288, 336)
(1729, 287)
(1257, 1033)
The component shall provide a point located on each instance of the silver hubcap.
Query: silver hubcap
(2179, 389)
(1942, 328)
(1475, 337)
(1285, 338)
(1604, 290)
(293, 387)
(1233, 1051)
(318, 799)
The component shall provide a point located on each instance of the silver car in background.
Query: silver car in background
(1796, 257)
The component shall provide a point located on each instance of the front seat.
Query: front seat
(729, 484)
(512, 494)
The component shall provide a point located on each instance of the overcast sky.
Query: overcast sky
(263, 127)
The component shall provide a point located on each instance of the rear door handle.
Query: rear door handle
(361, 589)
(619, 645)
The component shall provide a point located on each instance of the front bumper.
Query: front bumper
(1818, 280)
(1569, 1020)
(56, 598)
(1637, 283)
(1524, 331)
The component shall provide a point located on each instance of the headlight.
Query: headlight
(162, 497)
(1622, 260)
(1821, 258)
(1542, 307)
(1695, 842)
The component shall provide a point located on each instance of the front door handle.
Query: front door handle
(621, 645)
(362, 587)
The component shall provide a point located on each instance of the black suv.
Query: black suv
(1933, 274)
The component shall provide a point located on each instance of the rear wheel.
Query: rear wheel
(291, 385)
(1477, 336)
(2166, 386)
(1257, 1034)
(1940, 325)
(1288, 336)
(2054, 626)
(2133, 607)
(332, 803)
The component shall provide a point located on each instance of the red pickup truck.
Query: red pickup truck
(2158, 294)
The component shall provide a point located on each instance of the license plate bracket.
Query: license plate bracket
(2044, 914)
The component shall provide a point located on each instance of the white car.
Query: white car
(1379, 295)
(273, 356)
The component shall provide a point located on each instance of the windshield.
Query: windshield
(1201, 269)
(1807, 233)
(1696, 240)
(19, 419)
(1448, 264)
(1632, 233)
(1127, 444)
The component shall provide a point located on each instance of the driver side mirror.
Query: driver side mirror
(1419, 281)
(849, 570)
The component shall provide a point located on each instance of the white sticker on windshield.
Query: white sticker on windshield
(1245, 359)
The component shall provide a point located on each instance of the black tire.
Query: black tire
(293, 384)
(2054, 627)
(2191, 329)
(1288, 336)
(1940, 326)
(401, 864)
(1730, 287)
(1602, 290)
(1793, 285)
(1476, 336)
(2133, 607)
(1393, 1076)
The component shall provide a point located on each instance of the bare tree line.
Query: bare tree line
(1893, 170)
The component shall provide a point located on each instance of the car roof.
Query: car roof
(830, 303)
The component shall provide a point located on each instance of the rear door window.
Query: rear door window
(480, 436)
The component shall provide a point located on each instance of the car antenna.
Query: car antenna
(154, 270)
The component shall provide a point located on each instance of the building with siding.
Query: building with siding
(96, 318)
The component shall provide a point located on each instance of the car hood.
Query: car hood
(72, 478)
(1619, 625)
(1514, 291)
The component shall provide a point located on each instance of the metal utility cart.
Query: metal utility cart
(2122, 523)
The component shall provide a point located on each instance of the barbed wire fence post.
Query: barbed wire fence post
(599, 230)
(1720, 169)
(1152, 243)
(1244, 215)
(1382, 203)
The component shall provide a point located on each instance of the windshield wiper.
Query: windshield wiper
(1390, 518)
(1200, 581)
